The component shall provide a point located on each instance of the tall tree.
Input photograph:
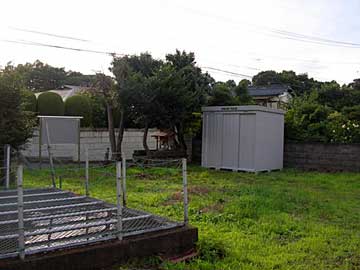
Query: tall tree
(137, 98)
(105, 88)
(192, 91)
(16, 124)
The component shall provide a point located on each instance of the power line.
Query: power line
(32, 43)
(279, 33)
(48, 34)
(228, 72)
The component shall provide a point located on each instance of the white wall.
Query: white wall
(97, 141)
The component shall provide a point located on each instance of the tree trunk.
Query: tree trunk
(180, 135)
(146, 130)
(111, 129)
(120, 135)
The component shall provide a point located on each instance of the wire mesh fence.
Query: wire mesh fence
(58, 208)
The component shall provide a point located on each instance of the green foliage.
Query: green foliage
(29, 101)
(230, 94)
(77, 78)
(308, 120)
(38, 76)
(50, 103)
(16, 124)
(242, 94)
(300, 83)
(343, 130)
(161, 94)
(79, 105)
(98, 110)
(278, 220)
(221, 96)
(353, 112)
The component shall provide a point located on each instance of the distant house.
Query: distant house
(271, 96)
(67, 91)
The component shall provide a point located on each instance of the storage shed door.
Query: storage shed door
(247, 139)
(230, 140)
(212, 140)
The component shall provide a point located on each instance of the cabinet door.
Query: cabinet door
(230, 141)
(247, 140)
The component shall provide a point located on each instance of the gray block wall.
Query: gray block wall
(97, 141)
(322, 157)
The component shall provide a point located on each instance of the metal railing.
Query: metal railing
(46, 219)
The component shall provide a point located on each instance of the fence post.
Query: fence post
(124, 179)
(186, 201)
(20, 194)
(86, 171)
(50, 156)
(8, 157)
(119, 200)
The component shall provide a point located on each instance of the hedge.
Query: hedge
(50, 103)
(79, 105)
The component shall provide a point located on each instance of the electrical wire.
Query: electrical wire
(279, 33)
(228, 72)
(48, 34)
(32, 43)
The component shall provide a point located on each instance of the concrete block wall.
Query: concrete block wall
(322, 157)
(97, 141)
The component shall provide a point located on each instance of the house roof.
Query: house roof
(67, 91)
(269, 90)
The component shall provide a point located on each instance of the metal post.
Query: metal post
(60, 182)
(86, 171)
(124, 179)
(79, 135)
(21, 212)
(8, 156)
(186, 201)
(40, 142)
(119, 201)
(50, 156)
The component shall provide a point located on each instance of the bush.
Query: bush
(342, 129)
(50, 103)
(353, 113)
(29, 101)
(79, 105)
(307, 120)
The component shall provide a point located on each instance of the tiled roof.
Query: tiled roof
(270, 90)
(67, 91)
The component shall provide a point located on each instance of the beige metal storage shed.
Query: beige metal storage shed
(243, 138)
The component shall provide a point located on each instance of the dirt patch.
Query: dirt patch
(179, 195)
(217, 207)
(174, 198)
(198, 190)
(145, 176)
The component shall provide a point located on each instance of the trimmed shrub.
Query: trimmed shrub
(79, 105)
(50, 103)
(29, 101)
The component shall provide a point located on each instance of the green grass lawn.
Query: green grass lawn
(278, 220)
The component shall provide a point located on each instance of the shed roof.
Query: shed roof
(242, 109)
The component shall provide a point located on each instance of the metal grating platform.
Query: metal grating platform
(55, 219)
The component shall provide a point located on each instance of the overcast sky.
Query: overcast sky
(322, 37)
